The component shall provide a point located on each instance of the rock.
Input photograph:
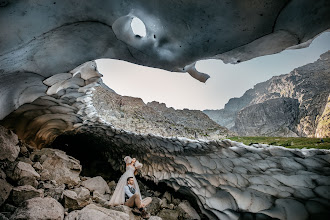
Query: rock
(39, 208)
(5, 189)
(45, 175)
(94, 212)
(169, 214)
(9, 149)
(61, 167)
(24, 151)
(154, 207)
(112, 185)
(98, 197)
(96, 184)
(8, 208)
(25, 174)
(155, 218)
(22, 193)
(54, 191)
(3, 217)
(187, 211)
(73, 201)
(168, 197)
(124, 209)
(37, 166)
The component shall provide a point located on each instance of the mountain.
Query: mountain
(132, 114)
(294, 104)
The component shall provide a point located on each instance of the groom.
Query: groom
(133, 199)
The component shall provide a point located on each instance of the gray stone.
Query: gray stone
(58, 166)
(96, 184)
(188, 211)
(9, 149)
(25, 174)
(94, 212)
(154, 207)
(73, 201)
(39, 208)
(155, 218)
(169, 214)
(5, 189)
(3, 217)
(22, 193)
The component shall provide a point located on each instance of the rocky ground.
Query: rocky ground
(132, 114)
(46, 184)
(289, 105)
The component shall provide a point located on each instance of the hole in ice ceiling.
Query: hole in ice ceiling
(138, 27)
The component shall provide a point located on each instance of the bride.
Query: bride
(118, 197)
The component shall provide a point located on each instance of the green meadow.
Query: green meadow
(289, 142)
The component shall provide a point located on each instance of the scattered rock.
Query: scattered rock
(154, 207)
(94, 212)
(5, 189)
(9, 149)
(22, 193)
(53, 191)
(96, 184)
(74, 201)
(24, 151)
(124, 209)
(98, 198)
(25, 174)
(61, 167)
(155, 218)
(169, 214)
(3, 217)
(37, 166)
(187, 211)
(39, 208)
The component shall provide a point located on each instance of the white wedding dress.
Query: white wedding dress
(118, 197)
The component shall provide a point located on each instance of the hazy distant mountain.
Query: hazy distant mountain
(132, 114)
(294, 104)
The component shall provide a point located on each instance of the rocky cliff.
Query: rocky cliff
(132, 114)
(294, 104)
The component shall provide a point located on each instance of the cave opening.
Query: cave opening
(138, 27)
(99, 157)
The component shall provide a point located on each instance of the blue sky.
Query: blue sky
(179, 90)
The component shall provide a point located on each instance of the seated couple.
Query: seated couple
(127, 191)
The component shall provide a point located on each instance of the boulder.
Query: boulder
(96, 184)
(155, 218)
(124, 209)
(58, 166)
(73, 201)
(53, 190)
(99, 198)
(39, 208)
(25, 174)
(22, 193)
(154, 207)
(3, 217)
(37, 166)
(187, 211)
(9, 149)
(94, 212)
(5, 189)
(169, 214)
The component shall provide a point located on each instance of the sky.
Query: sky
(180, 90)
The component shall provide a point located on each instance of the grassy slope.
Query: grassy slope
(289, 142)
